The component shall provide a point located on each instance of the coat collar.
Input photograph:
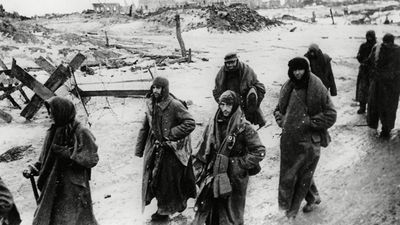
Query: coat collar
(163, 104)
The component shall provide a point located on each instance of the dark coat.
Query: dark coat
(384, 90)
(64, 174)
(363, 78)
(321, 67)
(244, 155)
(246, 78)
(175, 123)
(9, 214)
(304, 115)
(69, 152)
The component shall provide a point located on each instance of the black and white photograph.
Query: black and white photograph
(199, 112)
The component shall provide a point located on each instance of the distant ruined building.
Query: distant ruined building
(112, 8)
(153, 5)
(271, 4)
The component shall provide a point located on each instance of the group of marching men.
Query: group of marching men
(228, 152)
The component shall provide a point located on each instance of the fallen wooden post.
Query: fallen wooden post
(179, 35)
(45, 65)
(114, 93)
(5, 116)
(56, 79)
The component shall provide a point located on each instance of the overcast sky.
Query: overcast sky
(41, 7)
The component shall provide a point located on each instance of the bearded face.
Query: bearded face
(157, 90)
(231, 65)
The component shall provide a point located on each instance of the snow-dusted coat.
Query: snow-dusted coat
(69, 152)
(176, 124)
(305, 114)
(244, 157)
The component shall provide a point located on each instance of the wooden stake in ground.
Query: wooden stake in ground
(333, 21)
(179, 35)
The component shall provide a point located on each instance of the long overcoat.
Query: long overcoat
(64, 176)
(306, 116)
(176, 124)
(384, 89)
(322, 68)
(363, 78)
(244, 156)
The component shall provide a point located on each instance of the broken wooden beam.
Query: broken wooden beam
(10, 90)
(30, 81)
(56, 79)
(5, 116)
(45, 65)
(113, 93)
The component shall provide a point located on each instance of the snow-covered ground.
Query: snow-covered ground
(358, 175)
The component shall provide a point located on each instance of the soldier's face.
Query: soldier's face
(231, 64)
(157, 91)
(225, 108)
(298, 73)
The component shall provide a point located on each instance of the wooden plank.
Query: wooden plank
(56, 80)
(2, 65)
(9, 91)
(30, 82)
(45, 65)
(114, 93)
(5, 116)
(76, 62)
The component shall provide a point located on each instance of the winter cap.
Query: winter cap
(313, 47)
(160, 82)
(298, 63)
(388, 38)
(371, 34)
(230, 56)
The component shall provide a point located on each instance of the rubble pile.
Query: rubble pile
(234, 18)
(237, 18)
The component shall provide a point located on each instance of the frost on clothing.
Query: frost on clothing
(69, 152)
(9, 214)
(167, 168)
(304, 115)
(241, 81)
(384, 90)
(244, 156)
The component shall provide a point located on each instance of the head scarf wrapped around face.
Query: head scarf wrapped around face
(230, 97)
(62, 110)
(299, 63)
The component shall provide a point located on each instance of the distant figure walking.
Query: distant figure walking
(237, 76)
(321, 67)
(304, 112)
(364, 76)
(385, 85)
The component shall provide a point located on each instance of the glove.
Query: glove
(30, 171)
